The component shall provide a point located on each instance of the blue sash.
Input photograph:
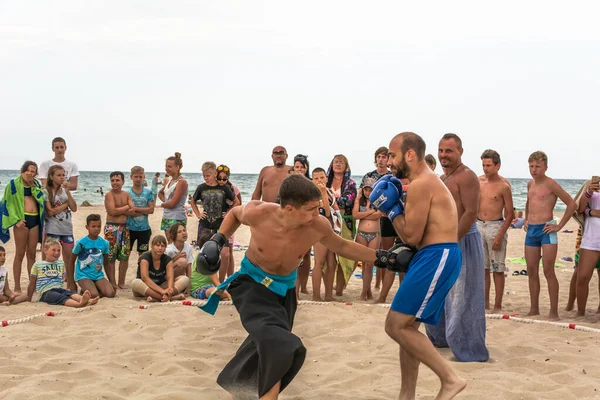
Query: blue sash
(278, 284)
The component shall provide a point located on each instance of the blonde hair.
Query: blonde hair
(538, 156)
(209, 166)
(51, 242)
(137, 170)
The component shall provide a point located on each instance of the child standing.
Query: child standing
(59, 221)
(541, 240)
(137, 224)
(92, 255)
(7, 297)
(47, 277)
(118, 206)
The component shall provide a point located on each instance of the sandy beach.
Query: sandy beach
(118, 351)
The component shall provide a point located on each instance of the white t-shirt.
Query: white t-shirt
(69, 166)
(3, 276)
(172, 251)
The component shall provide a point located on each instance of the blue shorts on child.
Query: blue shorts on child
(430, 276)
(536, 237)
(56, 296)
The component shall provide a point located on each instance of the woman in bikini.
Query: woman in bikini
(173, 195)
(23, 210)
(367, 233)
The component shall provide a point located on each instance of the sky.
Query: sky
(131, 82)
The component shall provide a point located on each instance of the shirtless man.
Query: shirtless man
(119, 206)
(430, 224)
(270, 177)
(494, 219)
(263, 289)
(463, 325)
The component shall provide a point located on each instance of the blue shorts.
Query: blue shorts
(430, 276)
(62, 239)
(57, 296)
(536, 237)
(200, 293)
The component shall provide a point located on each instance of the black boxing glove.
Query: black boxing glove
(208, 261)
(396, 259)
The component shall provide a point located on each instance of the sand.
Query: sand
(118, 351)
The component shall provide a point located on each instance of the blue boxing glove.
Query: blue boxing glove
(386, 196)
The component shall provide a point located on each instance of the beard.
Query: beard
(401, 171)
(279, 163)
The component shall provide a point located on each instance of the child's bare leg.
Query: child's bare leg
(587, 261)
(19, 298)
(105, 288)
(487, 289)
(20, 236)
(4, 300)
(598, 273)
(548, 259)
(532, 257)
(340, 280)
(110, 273)
(32, 242)
(89, 286)
(330, 275)
(378, 278)
(317, 274)
(499, 288)
(225, 263)
(69, 259)
(152, 295)
(123, 265)
(304, 272)
(78, 301)
(572, 290)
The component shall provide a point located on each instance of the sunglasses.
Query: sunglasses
(279, 153)
(300, 158)
(222, 179)
(223, 168)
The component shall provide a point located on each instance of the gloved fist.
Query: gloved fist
(396, 259)
(386, 196)
(208, 261)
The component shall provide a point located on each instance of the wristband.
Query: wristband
(588, 194)
(588, 212)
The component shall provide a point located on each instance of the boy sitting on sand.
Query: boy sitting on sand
(541, 240)
(92, 255)
(203, 285)
(7, 297)
(46, 280)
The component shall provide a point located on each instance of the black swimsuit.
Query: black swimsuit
(31, 220)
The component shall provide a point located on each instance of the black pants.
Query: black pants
(271, 352)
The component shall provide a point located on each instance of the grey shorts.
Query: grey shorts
(57, 296)
(495, 260)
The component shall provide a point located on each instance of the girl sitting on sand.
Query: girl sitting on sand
(181, 253)
(367, 233)
(155, 275)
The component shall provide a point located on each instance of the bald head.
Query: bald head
(279, 156)
(405, 141)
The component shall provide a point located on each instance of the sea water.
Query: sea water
(91, 181)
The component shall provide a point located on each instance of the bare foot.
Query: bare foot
(115, 287)
(93, 301)
(487, 306)
(569, 307)
(85, 298)
(377, 287)
(450, 389)
(180, 296)
(496, 310)
(317, 298)
(17, 290)
(379, 300)
(330, 299)
(5, 303)
(123, 286)
(531, 313)
(304, 290)
(150, 299)
(553, 317)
